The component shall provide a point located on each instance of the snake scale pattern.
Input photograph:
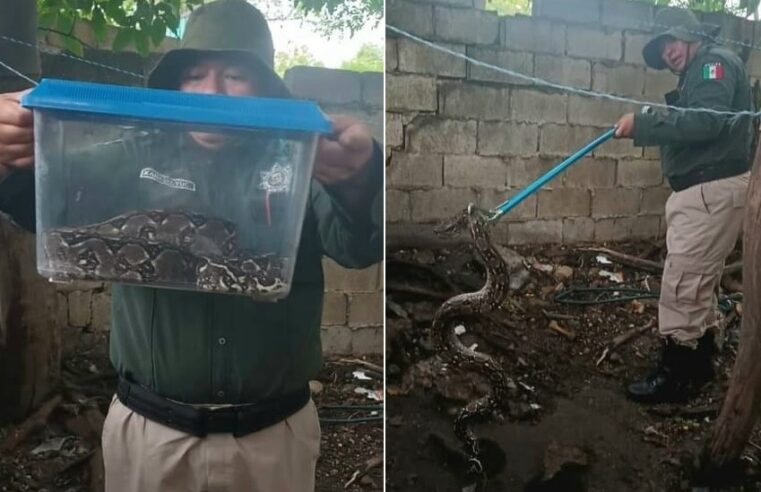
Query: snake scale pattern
(171, 248)
(488, 298)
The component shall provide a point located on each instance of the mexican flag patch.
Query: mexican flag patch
(713, 71)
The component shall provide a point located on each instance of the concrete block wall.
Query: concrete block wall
(353, 310)
(459, 132)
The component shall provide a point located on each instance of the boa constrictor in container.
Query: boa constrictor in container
(488, 298)
(170, 248)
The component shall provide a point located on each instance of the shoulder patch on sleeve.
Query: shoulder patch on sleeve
(712, 71)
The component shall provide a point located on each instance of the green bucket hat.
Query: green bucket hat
(675, 23)
(230, 28)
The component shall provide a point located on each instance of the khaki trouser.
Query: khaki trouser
(703, 222)
(144, 456)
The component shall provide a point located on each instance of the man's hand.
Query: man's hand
(344, 158)
(16, 133)
(625, 126)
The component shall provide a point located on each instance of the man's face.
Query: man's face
(217, 76)
(675, 54)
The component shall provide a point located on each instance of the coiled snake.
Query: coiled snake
(488, 298)
(171, 248)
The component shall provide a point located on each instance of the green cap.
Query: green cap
(674, 23)
(230, 28)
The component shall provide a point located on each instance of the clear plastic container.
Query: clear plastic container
(171, 189)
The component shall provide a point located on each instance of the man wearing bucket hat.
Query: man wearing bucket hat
(213, 391)
(705, 156)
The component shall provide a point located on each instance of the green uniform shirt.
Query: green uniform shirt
(715, 79)
(214, 348)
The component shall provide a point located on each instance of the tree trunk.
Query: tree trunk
(30, 330)
(741, 406)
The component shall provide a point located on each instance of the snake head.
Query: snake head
(460, 222)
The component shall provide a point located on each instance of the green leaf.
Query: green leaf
(73, 46)
(98, 23)
(65, 22)
(47, 19)
(158, 31)
(122, 39)
(141, 42)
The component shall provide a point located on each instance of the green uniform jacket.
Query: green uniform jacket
(690, 141)
(214, 348)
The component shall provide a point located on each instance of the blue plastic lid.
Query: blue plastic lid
(176, 106)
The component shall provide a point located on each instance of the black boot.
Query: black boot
(670, 381)
(702, 363)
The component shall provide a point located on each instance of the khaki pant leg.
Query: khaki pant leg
(703, 224)
(144, 456)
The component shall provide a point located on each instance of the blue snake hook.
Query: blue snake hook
(505, 207)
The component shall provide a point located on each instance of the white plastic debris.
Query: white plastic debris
(376, 395)
(361, 376)
(459, 330)
(615, 277)
(603, 260)
(473, 347)
(51, 445)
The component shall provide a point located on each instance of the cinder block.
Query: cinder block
(613, 229)
(336, 340)
(654, 200)
(366, 308)
(80, 304)
(522, 171)
(733, 28)
(590, 173)
(633, 45)
(394, 130)
(474, 101)
(415, 170)
(352, 280)
(467, 26)
(367, 340)
(538, 107)
(535, 35)
(398, 208)
(563, 140)
(415, 18)
(463, 171)
(496, 138)
(754, 64)
(589, 43)
(623, 147)
(595, 112)
(433, 205)
(658, 83)
(566, 71)
(615, 202)
(578, 229)
(584, 11)
(563, 202)
(101, 311)
(491, 198)
(325, 85)
(652, 153)
(626, 14)
(392, 53)
(622, 80)
(645, 227)
(372, 89)
(443, 136)
(514, 61)
(639, 172)
(334, 308)
(410, 92)
(535, 232)
(418, 58)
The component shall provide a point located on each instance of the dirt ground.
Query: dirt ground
(61, 452)
(568, 425)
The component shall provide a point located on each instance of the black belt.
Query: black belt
(710, 173)
(237, 420)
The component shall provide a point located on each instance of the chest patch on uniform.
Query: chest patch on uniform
(163, 179)
(713, 71)
(277, 179)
